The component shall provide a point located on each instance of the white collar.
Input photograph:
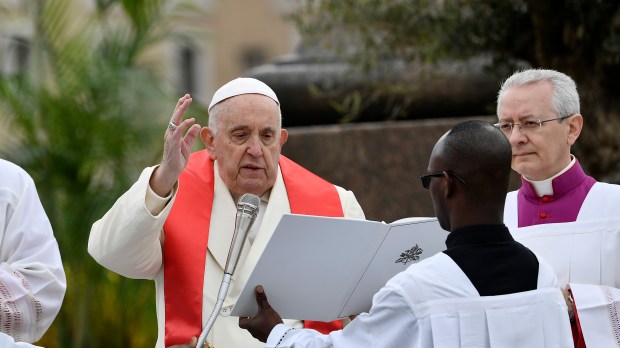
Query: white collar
(545, 187)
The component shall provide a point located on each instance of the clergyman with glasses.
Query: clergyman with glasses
(560, 212)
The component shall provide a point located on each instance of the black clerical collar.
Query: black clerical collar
(492, 260)
(478, 234)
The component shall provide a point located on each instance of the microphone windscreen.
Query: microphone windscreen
(249, 198)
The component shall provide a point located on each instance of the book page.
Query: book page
(407, 242)
(311, 265)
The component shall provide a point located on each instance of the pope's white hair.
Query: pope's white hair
(217, 110)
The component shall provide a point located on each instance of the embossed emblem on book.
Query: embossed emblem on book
(410, 255)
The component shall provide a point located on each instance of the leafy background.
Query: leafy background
(83, 121)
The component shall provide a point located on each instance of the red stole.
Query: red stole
(185, 249)
(575, 326)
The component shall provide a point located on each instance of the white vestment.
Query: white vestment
(126, 241)
(410, 311)
(585, 252)
(32, 279)
(7, 341)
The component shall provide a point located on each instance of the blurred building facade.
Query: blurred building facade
(227, 37)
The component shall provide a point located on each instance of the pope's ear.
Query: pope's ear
(208, 138)
(283, 137)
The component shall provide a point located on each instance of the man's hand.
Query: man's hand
(177, 148)
(569, 303)
(261, 324)
(190, 344)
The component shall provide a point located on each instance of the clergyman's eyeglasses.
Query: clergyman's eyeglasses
(525, 126)
(426, 179)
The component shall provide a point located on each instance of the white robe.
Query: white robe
(32, 279)
(7, 341)
(410, 311)
(126, 241)
(584, 252)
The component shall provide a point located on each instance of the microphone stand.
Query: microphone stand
(247, 209)
(221, 295)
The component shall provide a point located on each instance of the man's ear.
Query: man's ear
(448, 185)
(283, 137)
(208, 138)
(575, 124)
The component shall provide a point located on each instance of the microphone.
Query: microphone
(247, 210)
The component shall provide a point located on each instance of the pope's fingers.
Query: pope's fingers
(179, 102)
(178, 146)
(188, 141)
(182, 105)
(179, 129)
(191, 136)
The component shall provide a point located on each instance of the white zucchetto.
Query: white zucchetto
(242, 85)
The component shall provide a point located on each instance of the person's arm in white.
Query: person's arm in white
(7, 341)
(350, 206)
(127, 240)
(390, 323)
(596, 306)
(32, 279)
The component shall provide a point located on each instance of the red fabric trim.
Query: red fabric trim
(578, 339)
(185, 249)
(323, 327)
(309, 194)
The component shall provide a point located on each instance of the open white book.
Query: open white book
(321, 268)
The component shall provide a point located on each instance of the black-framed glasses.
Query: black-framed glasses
(525, 126)
(426, 179)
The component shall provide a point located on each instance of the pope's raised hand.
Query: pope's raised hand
(179, 138)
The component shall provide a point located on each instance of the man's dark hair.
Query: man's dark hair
(481, 155)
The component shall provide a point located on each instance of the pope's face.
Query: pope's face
(247, 143)
(539, 153)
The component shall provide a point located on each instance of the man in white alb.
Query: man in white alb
(32, 279)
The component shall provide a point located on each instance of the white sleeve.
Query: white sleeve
(155, 204)
(7, 341)
(126, 239)
(32, 279)
(546, 274)
(389, 323)
(350, 206)
(598, 309)
(511, 212)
